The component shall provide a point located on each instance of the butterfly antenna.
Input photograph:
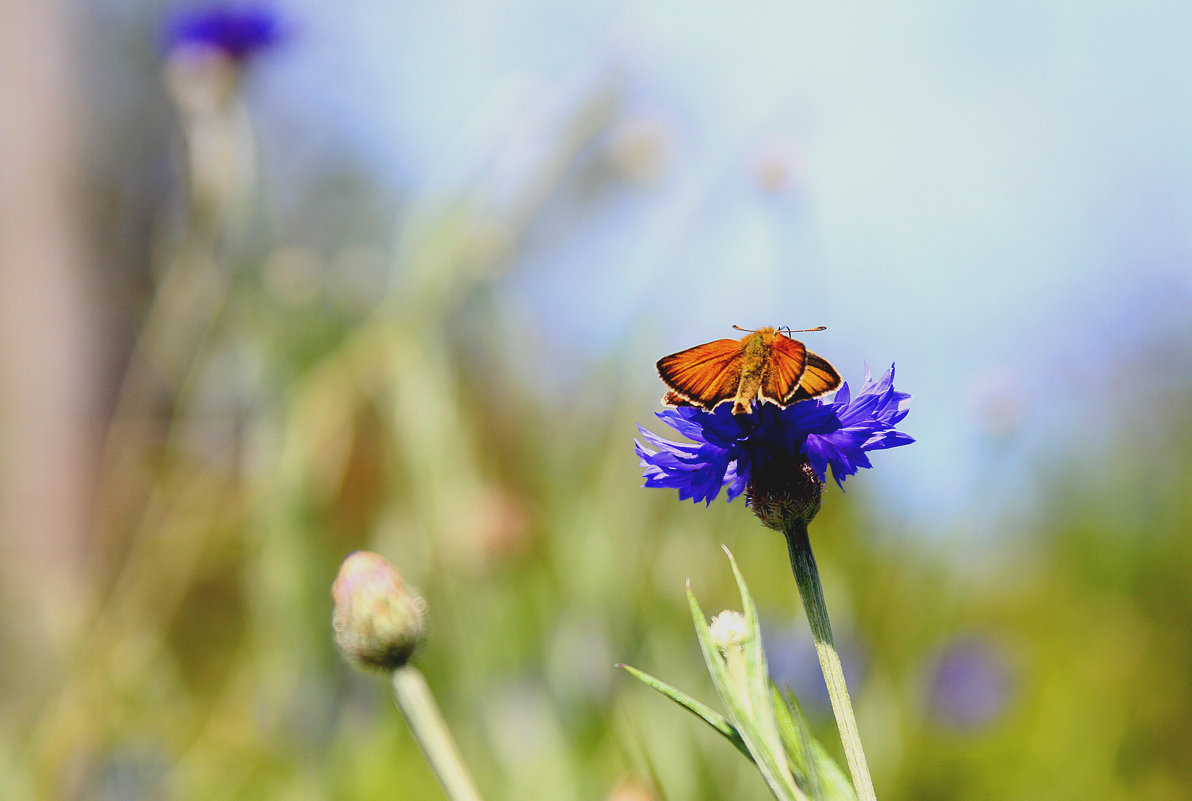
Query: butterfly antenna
(746, 330)
(788, 330)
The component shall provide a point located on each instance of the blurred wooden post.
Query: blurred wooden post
(47, 350)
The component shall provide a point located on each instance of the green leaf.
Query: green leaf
(822, 776)
(796, 740)
(762, 740)
(761, 723)
(705, 713)
(757, 672)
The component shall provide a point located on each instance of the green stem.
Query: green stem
(426, 722)
(812, 592)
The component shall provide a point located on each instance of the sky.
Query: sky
(997, 197)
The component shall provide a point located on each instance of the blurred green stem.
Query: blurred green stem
(426, 722)
(812, 592)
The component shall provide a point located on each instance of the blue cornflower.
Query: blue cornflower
(767, 448)
(238, 32)
(971, 683)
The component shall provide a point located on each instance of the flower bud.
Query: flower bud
(728, 631)
(785, 493)
(378, 619)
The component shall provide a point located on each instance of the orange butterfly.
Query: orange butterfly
(767, 364)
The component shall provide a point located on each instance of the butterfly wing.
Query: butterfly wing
(705, 375)
(672, 398)
(818, 378)
(785, 365)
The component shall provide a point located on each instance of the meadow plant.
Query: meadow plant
(779, 457)
(765, 725)
(379, 622)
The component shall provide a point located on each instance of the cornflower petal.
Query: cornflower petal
(725, 448)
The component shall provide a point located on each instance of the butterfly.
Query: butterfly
(767, 363)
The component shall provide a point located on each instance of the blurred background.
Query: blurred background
(280, 282)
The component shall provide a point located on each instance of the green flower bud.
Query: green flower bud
(378, 620)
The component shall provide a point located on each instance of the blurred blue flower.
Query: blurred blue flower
(794, 664)
(726, 448)
(238, 32)
(970, 683)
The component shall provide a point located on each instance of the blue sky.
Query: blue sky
(996, 196)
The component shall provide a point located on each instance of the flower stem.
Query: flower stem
(812, 592)
(426, 722)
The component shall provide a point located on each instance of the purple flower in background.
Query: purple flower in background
(794, 665)
(726, 449)
(970, 684)
(238, 32)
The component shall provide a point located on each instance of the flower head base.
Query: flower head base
(784, 492)
(378, 619)
(781, 455)
(236, 32)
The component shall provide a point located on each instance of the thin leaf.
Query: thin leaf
(796, 739)
(757, 674)
(824, 778)
(705, 713)
(775, 772)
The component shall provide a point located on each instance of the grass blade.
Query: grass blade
(705, 713)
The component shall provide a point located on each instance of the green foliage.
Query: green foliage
(765, 726)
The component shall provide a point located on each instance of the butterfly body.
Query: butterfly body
(765, 364)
